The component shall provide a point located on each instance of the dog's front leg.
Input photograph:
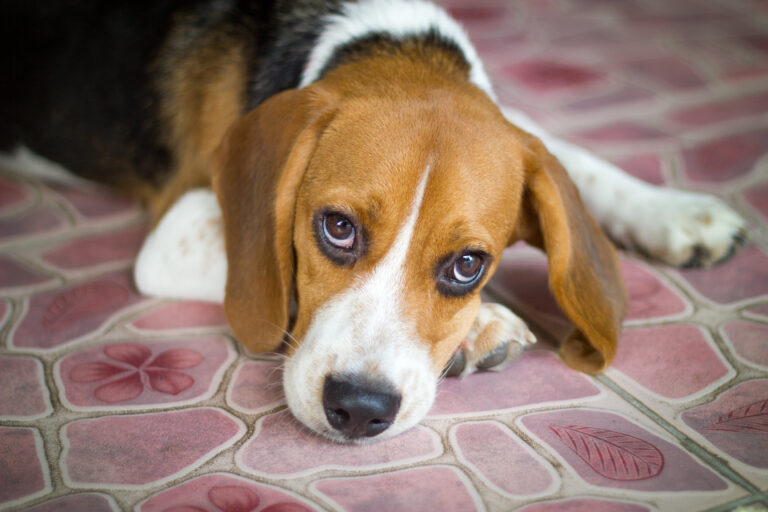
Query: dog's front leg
(496, 337)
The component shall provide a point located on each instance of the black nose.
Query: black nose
(359, 407)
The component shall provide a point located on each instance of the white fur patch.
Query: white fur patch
(400, 18)
(184, 255)
(365, 331)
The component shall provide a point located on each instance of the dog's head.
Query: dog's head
(384, 215)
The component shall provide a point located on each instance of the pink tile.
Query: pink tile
(736, 422)
(13, 194)
(725, 158)
(86, 502)
(23, 471)
(608, 450)
(22, 388)
(98, 203)
(222, 492)
(548, 76)
(16, 275)
(618, 98)
(536, 377)
(110, 247)
(646, 167)
(667, 71)
(744, 276)
(585, 505)
(430, 488)
(68, 314)
(525, 284)
(759, 311)
(140, 449)
(256, 387)
(758, 197)
(673, 361)
(749, 340)
(37, 221)
(649, 297)
(724, 110)
(150, 373)
(281, 447)
(502, 460)
(620, 132)
(182, 315)
(473, 14)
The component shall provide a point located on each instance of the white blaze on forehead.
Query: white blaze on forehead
(364, 330)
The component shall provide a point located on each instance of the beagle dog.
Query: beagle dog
(348, 157)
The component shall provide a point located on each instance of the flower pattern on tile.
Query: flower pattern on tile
(726, 157)
(667, 71)
(649, 297)
(23, 472)
(140, 449)
(713, 112)
(89, 251)
(140, 374)
(619, 98)
(22, 388)
(736, 422)
(430, 488)
(742, 277)
(86, 502)
(182, 315)
(280, 446)
(15, 275)
(224, 493)
(749, 340)
(256, 387)
(536, 377)
(511, 468)
(694, 365)
(584, 505)
(69, 314)
(653, 464)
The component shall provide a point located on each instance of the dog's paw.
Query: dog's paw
(497, 336)
(686, 229)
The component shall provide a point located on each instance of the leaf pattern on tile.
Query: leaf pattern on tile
(749, 418)
(614, 455)
(72, 305)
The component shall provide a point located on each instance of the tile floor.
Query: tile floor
(110, 400)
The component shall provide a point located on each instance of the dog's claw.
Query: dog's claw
(498, 336)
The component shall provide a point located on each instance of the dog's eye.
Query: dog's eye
(339, 236)
(339, 231)
(460, 274)
(467, 268)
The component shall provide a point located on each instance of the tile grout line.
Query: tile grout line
(752, 499)
(686, 443)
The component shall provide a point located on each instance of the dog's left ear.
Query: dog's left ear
(257, 171)
(584, 273)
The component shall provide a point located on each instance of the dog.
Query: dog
(349, 158)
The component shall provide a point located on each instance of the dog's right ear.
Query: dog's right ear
(258, 168)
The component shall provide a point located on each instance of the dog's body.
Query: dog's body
(375, 181)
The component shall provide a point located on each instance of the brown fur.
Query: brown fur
(359, 140)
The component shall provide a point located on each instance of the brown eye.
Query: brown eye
(460, 274)
(467, 268)
(339, 231)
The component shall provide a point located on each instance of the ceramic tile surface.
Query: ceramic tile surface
(112, 401)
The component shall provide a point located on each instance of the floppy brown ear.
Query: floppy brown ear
(257, 171)
(584, 273)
